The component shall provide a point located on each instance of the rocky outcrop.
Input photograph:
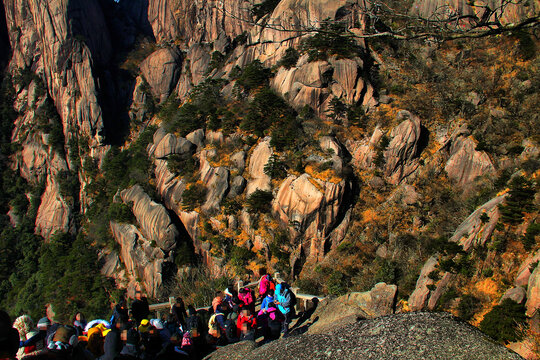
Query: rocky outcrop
(216, 180)
(477, 229)
(517, 294)
(197, 22)
(143, 262)
(524, 272)
(364, 151)
(47, 37)
(152, 217)
(161, 70)
(420, 296)
(465, 163)
(310, 208)
(259, 158)
(330, 314)
(309, 83)
(53, 213)
(533, 292)
(409, 336)
(171, 145)
(401, 156)
(506, 13)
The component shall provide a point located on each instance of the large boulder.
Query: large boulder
(216, 180)
(53, 213)
(170, 145)
(143, 261)
(161, 69)
(517, 294)
(475, 231)
(409, 336)
(153, 218)
(533, 292)
(465, 163)
(310, 208)
(259, 158)
(525, 270)
(420, 296)
(402, 153)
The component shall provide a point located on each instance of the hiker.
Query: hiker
(179, 311)
(218, 299)
(245, 317)
(9, 338)
(247, 299)
(140, 308)
(231, 325)
(95, 341)
(266, 283)
(231, 297)
(37, 342)
(285, 300)
(120, 312)
(112, 344)
(131, 350)
(216, 326)
(79, 322)
(24, 326)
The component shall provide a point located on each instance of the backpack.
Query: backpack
(186, 340)
(246, 297)
(193, 325)
(230, 329)
(212, 323)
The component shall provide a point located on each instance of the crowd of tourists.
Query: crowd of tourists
(131, 333)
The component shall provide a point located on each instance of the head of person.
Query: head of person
(78, 317)
(138, 295)
(179, 301)
(43, 324)
(219, 294)
(9, 337)
(191, 310)
(262, 272)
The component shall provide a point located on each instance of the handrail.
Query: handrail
(240, 284)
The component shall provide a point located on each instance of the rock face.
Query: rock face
(399, 336)
(259, 158)
(310, 208)
(53, 213)
(524, 272)
(512, 12)
(518, 294)
(476, 230)
(162, 69)
(533, 292)
(402, 153)
(419, 298)
(465, 163)
(330, 314)
(43, 39)
(143, 261)
(152, 217)
(216, 180)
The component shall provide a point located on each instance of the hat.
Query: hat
(43, 323)
(228, 292)
(143, 327)
(156, 323)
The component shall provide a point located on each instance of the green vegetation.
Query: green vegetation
(193, 196)
(290, 58)
(505, 322)
(519, 201)
(529, 239)
(265, 7)
(468, 306)
(182, 165)
(260, 201)
(253, 75)
(331, 39)
(275, 168)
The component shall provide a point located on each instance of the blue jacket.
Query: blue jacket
(283, 296)
(268, 299)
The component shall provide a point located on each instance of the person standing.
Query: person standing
(285, 300)
(140, 308)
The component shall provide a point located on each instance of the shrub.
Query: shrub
(254, 75)
(182, 164)
(121, 213)
(529, 239)
(260, 201)
(290, 58)
(240, 257)
(275, 168)
(193, 196)
(504, 321)
(468, 306)
(388, 272)
(337, 283)
(331, 39)
(518, 202)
